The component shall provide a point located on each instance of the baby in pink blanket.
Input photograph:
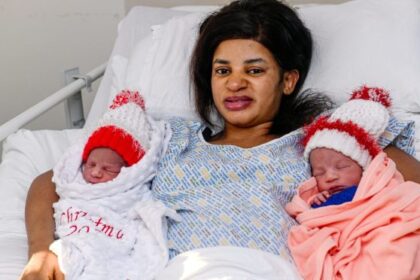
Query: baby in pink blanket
(341, 147)
(370, 228)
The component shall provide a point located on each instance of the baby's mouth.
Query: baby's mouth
(336, 189)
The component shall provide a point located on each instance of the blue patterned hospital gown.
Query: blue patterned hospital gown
(227, 195)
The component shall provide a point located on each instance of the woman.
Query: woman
(250, 61)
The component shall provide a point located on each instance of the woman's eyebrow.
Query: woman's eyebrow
(248, 61)
(220, 61)
(254, 60)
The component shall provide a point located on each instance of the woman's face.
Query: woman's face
(246, 83)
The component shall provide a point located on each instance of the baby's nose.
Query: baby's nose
(331, 175)
(96, 172)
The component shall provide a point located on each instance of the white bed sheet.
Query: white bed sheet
(26, 154)
(228, 263)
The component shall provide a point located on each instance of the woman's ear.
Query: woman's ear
(290, 79)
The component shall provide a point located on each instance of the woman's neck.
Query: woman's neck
(244, 137)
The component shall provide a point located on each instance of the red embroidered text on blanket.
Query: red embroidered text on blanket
(375, 236)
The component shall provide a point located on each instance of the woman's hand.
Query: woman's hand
(43, 265)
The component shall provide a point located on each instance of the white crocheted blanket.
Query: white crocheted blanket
(112, 230)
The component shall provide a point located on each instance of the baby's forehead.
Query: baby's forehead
(104, 154)
(327, 155)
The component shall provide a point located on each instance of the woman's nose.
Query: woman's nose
(236, 82)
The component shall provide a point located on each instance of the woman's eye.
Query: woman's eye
(221, 71)
(255, 71)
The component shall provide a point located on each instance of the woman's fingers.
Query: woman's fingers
(58, 275)
(42, 265)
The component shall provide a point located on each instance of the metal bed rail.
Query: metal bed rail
(65, 93)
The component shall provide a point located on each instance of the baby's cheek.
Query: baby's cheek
(321, 184)
(111, 175)
(84, 172)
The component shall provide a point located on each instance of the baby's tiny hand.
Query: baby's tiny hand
(321, 197)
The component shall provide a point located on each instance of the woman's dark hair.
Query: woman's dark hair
(274, 25)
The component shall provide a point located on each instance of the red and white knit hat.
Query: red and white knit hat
(124, 128)
(354, 128)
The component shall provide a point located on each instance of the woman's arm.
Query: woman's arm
(40, 228)
(406, 164)
(39, 220)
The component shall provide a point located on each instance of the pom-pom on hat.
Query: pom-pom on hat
(124, 128)
(354, 127)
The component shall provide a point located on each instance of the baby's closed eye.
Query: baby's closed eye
(112, 169)
(342, 166)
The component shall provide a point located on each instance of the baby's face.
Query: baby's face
(102, 165)
(334, 171)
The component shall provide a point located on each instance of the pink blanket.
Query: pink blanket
(375, 236)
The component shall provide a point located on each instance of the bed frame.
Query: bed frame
(71, 93)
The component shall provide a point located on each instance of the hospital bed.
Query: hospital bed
(373, 42)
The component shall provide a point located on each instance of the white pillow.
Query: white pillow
(163, 78)
(196, 8)
(138, 44)
(373, 42)
(132, 29)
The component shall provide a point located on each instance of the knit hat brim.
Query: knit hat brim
(343, 143)
(116, 139)
(323, 132)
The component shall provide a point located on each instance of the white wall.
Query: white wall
(42, 38)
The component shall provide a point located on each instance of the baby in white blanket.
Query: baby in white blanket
(108, 224)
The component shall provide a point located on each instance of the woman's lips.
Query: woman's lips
(237, 103)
